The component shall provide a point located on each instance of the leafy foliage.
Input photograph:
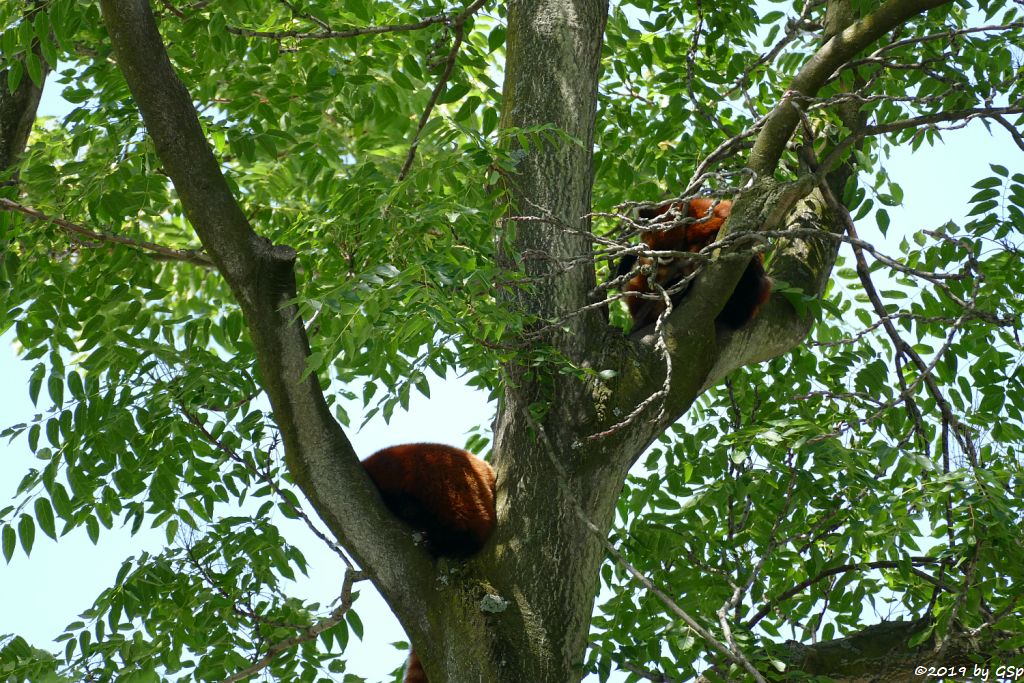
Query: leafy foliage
(838, 484)
(827, 484)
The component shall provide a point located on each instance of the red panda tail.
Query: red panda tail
(414, 672)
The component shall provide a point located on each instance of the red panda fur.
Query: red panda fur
(446, 493)
(414, 672)
(752, 291)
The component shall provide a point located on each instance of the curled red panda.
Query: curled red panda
(706, 218)
(444, 492)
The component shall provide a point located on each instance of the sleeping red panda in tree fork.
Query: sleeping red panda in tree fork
(446, 493)
(752, 291)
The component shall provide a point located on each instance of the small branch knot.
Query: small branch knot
(283, 253)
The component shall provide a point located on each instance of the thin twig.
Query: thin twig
(458, 29)
(948, 35)
(308, 634)
(961, 115)
(348, 33)
(193, 256)
(925, 370)
(1014, 133)
(771, 604)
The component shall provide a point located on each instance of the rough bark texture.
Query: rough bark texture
(18, 111)
(550, 458)
(882, 654)
(553, 59)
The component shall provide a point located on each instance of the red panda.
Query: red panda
(414, 672)
(752, 291)
(446, 493)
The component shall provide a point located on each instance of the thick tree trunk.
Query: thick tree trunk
(546, 560)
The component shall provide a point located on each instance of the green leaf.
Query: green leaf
(35, 68)
(61, 501)
(9, 539)
(49, 50)
(882, 218)
(496, 38)
(171, 531)
(26, 533)
(55, 387)
(990, 193)
(15, 69)
(92, 529)
(35, 382)
(402, 81)
(44, 515)
(76, 386)
(453, 93)
(33, 437)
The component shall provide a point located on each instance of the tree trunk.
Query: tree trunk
(18, 108)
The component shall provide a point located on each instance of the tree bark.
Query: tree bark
(546, 561)
(882, 654)
(18, 108)
(550, 78)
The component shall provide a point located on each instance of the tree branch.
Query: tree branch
(317, 452)
(1018, 139)
(348, 33)
(18, 108)
(308, 634)
(194, 256)
(902, 347)
(948, 36)
(730, 651)
(881, 654)
(458, 27)
(841, 48)
(962, 115)
(767, 608)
